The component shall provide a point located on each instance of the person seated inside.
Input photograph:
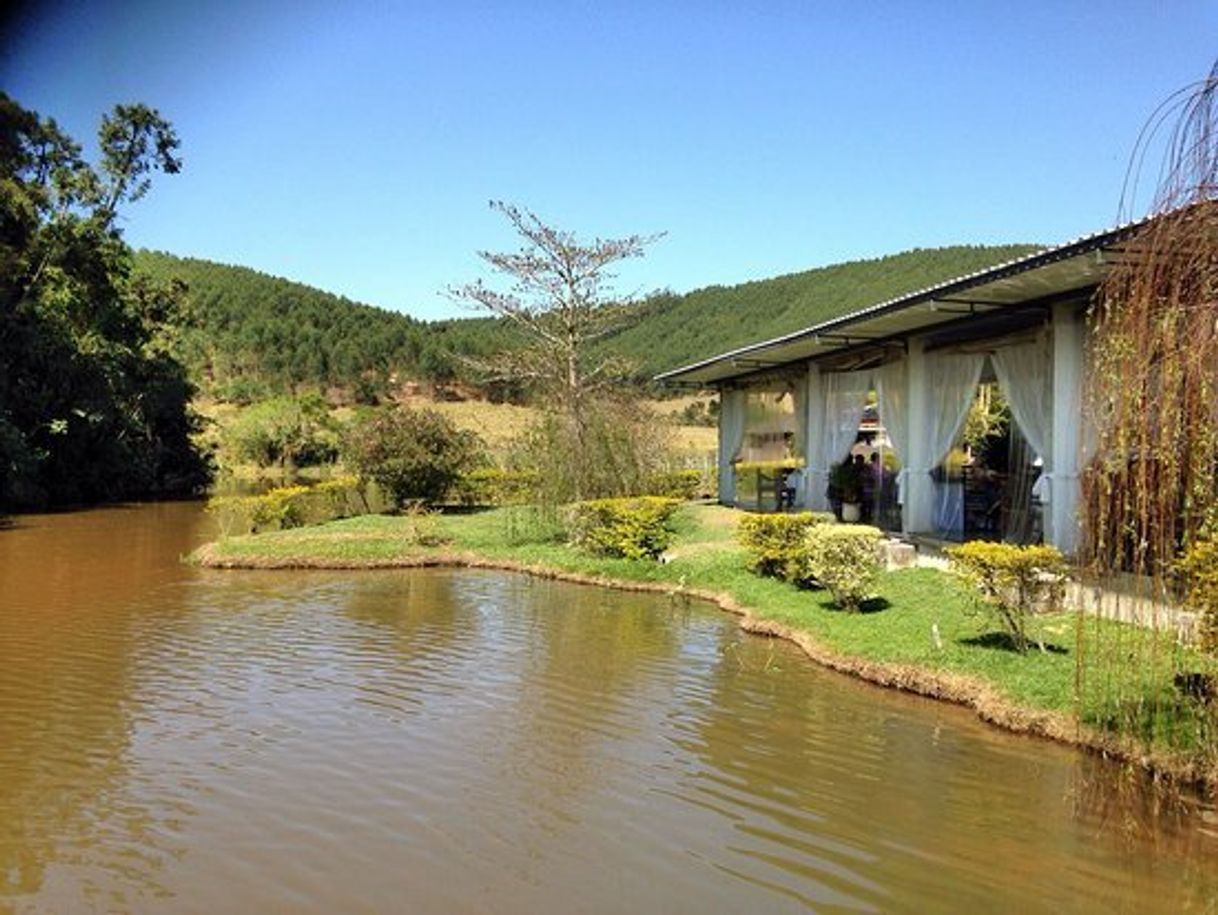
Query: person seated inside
(866, 486)
(789, 482)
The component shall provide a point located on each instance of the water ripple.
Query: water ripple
(471, 741)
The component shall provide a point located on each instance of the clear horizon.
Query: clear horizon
(356, 151)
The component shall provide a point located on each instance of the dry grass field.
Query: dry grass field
(497, 424)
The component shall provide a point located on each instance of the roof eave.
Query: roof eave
(1074, 248)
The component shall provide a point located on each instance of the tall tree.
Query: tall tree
(93, 403)
(135, 141)
(560, 297)
(561, 302)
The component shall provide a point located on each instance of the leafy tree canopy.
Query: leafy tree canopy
(93, 401)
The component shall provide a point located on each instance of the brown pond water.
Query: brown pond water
(180, 740)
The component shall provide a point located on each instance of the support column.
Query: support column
(917, 494)
(1061, 521)
(816, 478)
(730, 409)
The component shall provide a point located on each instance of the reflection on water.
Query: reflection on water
(179, 740)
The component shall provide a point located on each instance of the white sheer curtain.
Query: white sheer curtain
(845, 400)
(1025, 374)
(731, 437)
(800, 400)
(953, 385)
(892, 380)
(953, 380)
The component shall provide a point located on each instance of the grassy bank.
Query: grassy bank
(894, 644)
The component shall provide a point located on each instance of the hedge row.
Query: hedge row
(497, 486)
(295, 506)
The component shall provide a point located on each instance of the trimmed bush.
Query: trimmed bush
(1009, 583)
(844, 559)
(676, 484)
(775, 543)
(1199, 573)
(496, 486)
(627, 528)
(292, 506)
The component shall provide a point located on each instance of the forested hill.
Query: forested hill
(709, 321)
(251, 333)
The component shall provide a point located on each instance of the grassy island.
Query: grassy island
(920, 635)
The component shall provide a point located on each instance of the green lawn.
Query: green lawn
(1125, 690)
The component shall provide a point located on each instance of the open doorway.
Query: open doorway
(990, 484)
(769, 456)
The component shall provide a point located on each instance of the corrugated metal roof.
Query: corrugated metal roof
(1059, 269)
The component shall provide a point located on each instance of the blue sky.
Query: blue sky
(354, 146)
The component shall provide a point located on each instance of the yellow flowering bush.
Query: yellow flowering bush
(775, 543)
(637, 528)
(1198, 569)
(844, 559)
(1010, 583)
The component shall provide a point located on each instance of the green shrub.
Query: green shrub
(676, 484)
(495, 486)
(411, 454)
(778, 464)
(844, 559)
(636, 528)
(775, 543)
(614, 451)
(285, 431)
(1010, 583)
(1199, 573)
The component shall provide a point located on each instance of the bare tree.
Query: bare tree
(560, 298)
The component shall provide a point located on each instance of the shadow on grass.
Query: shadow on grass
(465, 509)
(872, 605)
(1001, 641)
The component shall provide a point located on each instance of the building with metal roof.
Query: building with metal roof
(920, 357)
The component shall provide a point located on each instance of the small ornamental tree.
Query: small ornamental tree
(413, 455)
(1010, 583)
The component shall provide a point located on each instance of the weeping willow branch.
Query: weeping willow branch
(1152, 485)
